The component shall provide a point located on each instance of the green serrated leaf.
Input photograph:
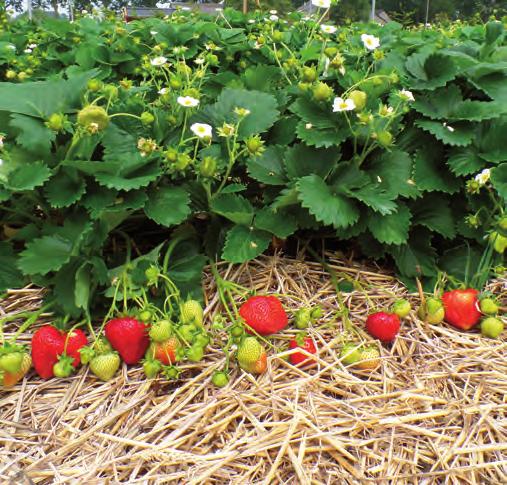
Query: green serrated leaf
(28, 176)
(431, 174)
(464, 162)
(302, 160)
(321, 138)
(48, 253)
(262, 107)
(375, 197)
(233, 188)
(279, 223)
(393, 228)
(454, 134)
(65, 188)
(32, 134)
(233, 207)
(417, 258)
(395, 172)
(243, 244)
(10, 276)
(168, 206)
(434, 212)
(268, 167)
(327, 206)
(430, 70)
(499, 179)
(439, 104)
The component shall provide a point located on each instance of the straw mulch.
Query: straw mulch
(434, 412)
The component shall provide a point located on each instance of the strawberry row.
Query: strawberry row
(160, 343)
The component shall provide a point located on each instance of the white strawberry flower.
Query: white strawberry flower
(328, 29)
(483, 177)
(406, 95)
(273, 12)
(274, 18)
(158, 61)
(153, 32)
(370, 41)
(199, 61)
(202, 130)
(251, 21)
(321, 3)
(27, 51)
(32, 46)
(340, 104)
(163, 91)
(188, 101)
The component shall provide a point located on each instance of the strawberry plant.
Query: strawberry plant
(192, 137)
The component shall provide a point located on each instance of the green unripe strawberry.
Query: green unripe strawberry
(11, 362)
(402, 308)
(359, 98)
(322, 92)
(369, 359)
(147, 118)
(202, 339)
(86, 354)
(330, 52)
(171, 372)
(94, 85)
(175, 83)
(187, 332)
(220, 379)
(195, 353)
(183, 161)
(63, 368)
(151, 368)
(435, 311)
(350, 353)
(308, 74)
(95, 115)
(251, 356)
(492, 327)
(237, 331)
(488, 306)
(499, 242)
(145, 316)
(161, 331)
(208, 167)
(102, 346)
(385, 138)
(192, 312)
(502, 223)
(316, 313)
(56, 122)
(110, 91)
(10, 74)
(277, 36)
(255, 145)
(104, 366)
(304, 86)
(302, 318)
(152, 273)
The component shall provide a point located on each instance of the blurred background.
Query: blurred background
(407, 12)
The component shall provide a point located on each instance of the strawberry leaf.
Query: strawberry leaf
(168, 206)
(243, 244)
(233, 207)
(393, 228)
(48, 253)
(29, 176)
(331, 208)
(279, 223)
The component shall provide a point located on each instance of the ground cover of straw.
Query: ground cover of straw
(435, 411)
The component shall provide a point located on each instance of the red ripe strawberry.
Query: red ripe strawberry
(384, 326)
(48, 343)
(165, 352)
(305, 343)
(129, 337)
(461, 308)
(264, 314)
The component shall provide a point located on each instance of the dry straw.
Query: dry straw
(434, 412)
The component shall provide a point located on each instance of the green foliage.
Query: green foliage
(219, 133)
